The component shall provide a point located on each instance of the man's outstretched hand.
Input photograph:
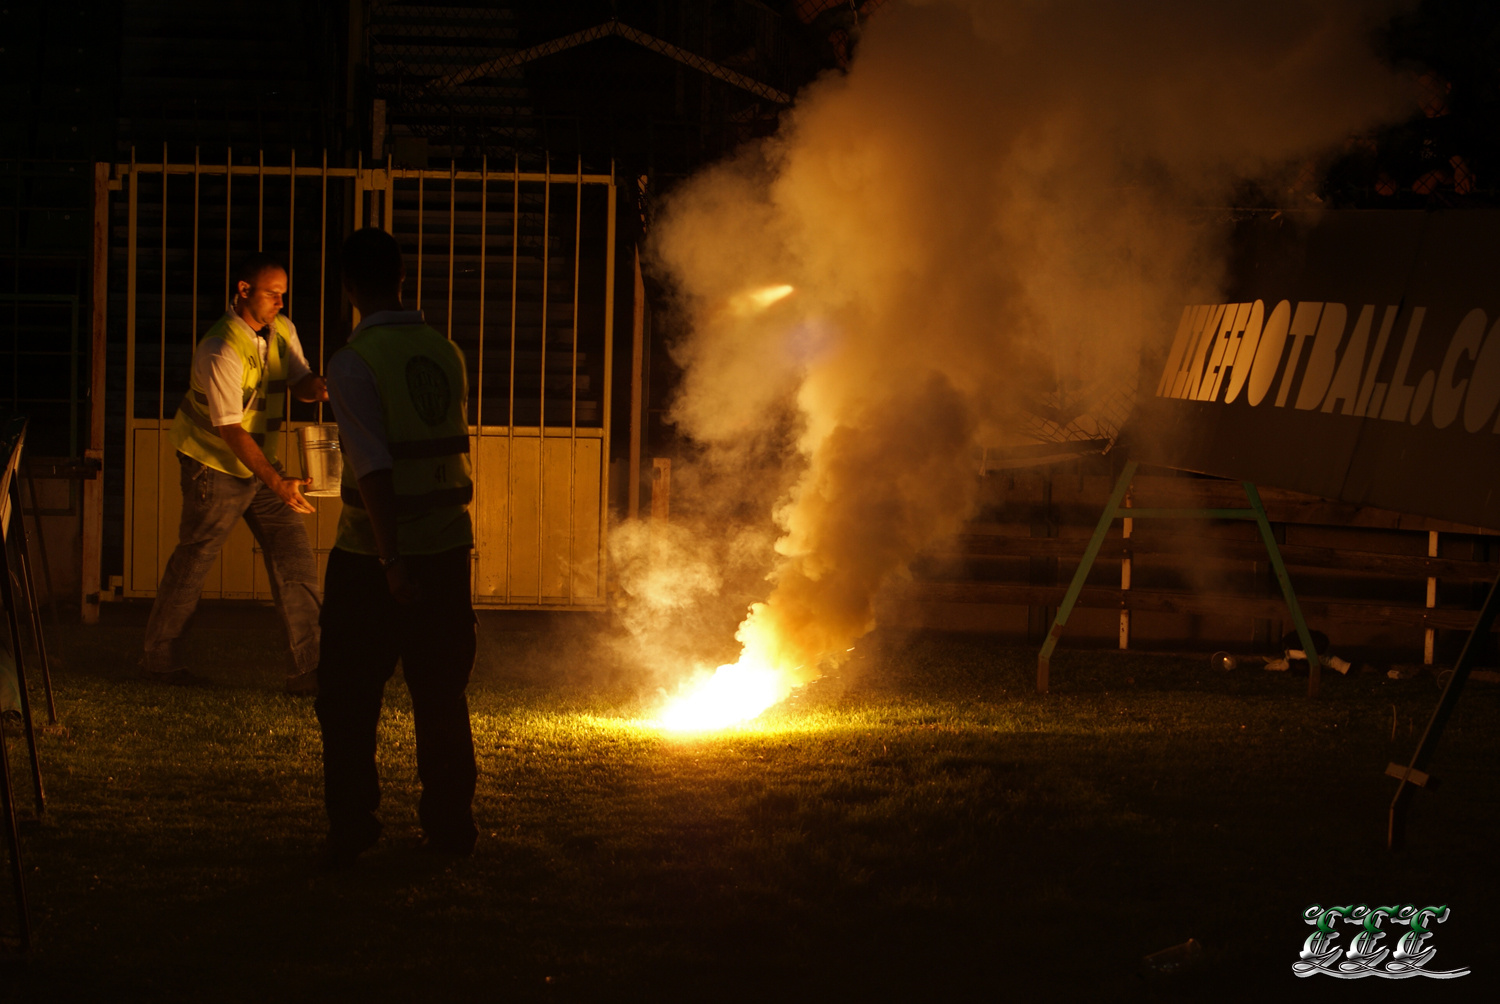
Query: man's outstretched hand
(288, 490)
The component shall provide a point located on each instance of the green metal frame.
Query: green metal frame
(1415, 774)
(1114, 509)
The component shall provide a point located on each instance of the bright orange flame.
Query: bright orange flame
(734, 694)
(738, 692)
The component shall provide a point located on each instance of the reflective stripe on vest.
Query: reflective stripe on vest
(423, 396)
(263, 392)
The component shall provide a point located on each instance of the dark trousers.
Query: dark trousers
(365, 631)
(212, 503)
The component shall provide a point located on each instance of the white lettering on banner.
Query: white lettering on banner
(1185, 369)
(1345, 386)
(1216, 353)
(1324, 354)
(1179, 346)
(1226, 352)
(1484, 384)
(1200, 350)
(1369, 402)
(1245, 350)
(1268, 356)
(1222, 350)
(1304, 323)
(1398, 398)
(1466, 342)
(1185, 361)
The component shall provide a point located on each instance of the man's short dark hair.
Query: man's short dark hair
(251, 266)
(372, 262)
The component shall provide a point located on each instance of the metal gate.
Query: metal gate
(516, 267)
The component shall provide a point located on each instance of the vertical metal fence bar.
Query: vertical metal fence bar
(452, 214)
(484, 191)
(161, 365)
(541, 400)
(132, 219)
(197, 216)
(510, 386)
(15, 306)
(291, 238)
(421, 181)
(161, 369)
(609, 361)
(322, 269)
(228, 211)
(359, 209)
(260, 198)
(91, 544)
(388, 210)
(484, 218)
(192, 333)
(573, 379)
(229, 287)
(291, 260)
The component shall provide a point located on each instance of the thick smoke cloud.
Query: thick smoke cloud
(986, 211)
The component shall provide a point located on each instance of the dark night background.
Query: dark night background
(88, 81)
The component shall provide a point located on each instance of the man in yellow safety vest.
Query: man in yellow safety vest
(397, 585)
(228, 434)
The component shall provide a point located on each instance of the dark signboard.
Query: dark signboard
(1356, 357)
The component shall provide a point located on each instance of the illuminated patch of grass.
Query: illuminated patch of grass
(920, 826)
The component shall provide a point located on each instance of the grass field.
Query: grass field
(922, 827)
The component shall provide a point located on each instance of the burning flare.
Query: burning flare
(735, 693)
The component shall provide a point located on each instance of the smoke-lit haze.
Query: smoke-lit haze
(986, 210)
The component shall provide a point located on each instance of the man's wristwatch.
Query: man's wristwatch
(390, 562)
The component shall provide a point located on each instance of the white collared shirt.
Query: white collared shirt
(356, 400)
(218, 369)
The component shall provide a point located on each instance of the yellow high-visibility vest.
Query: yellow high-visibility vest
(424, 397)
(263, 388)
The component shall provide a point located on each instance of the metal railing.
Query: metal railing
(539, 243)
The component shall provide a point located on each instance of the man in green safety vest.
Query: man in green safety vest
(397, 585)
(228, 435)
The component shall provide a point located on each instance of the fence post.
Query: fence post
(1429, 636)
(661, 489)
(1128, 525)
(92, 545)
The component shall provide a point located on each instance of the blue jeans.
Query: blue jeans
(212, 502)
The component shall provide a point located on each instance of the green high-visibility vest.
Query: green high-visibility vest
(424, 397)
(263, 389)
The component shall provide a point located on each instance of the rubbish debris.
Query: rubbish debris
(1294, 658)
(1222, 661)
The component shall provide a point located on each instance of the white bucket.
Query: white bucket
(322, 460)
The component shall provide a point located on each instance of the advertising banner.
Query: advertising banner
(1356, 357)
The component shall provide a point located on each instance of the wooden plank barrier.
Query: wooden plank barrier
(989, 561)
